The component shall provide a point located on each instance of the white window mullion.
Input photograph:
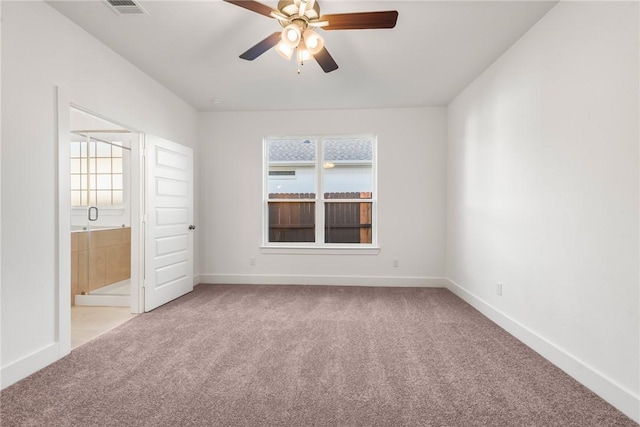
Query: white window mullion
(265, 192)
(88, 160)
(320, 193)
(374, 195)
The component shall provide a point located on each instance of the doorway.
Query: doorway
(104, 200)
(157, 275)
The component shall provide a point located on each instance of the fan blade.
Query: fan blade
(325, 60)
(254, 6)
(360, 21)
(261, 47)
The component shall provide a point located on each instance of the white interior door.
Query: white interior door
(168, 221)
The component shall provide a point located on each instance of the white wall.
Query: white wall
(411, 149)
(542, 189)
(42, 49)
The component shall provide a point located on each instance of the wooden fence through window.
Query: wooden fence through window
(345, 222)
(292, 221)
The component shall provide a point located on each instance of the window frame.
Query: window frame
(320, 201)
(114, 207)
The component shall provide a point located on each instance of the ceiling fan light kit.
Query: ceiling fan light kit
(313, 41)
(302, 53)
(291, 35)
(284, 50)
(298, 18)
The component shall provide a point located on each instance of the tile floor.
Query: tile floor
(89, 322)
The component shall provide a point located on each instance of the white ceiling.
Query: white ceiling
(436, 49)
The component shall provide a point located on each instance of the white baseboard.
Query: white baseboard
(272, 279)
(27, 365)
(618, 396)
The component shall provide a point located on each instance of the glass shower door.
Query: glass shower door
(85, 210)
(80, 228)
(103, 240)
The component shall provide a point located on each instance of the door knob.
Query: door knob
(192, 227)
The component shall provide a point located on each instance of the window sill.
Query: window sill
(321, 250)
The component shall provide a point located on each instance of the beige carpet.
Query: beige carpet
(305, 356)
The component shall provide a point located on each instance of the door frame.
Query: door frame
(63, 236)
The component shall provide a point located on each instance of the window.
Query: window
(329, 196)
(96, 173)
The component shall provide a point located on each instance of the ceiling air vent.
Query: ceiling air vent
(125, 7)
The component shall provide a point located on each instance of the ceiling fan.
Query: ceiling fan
(299, 18)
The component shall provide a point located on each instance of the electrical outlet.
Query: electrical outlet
(499, 288)
(252, 261)
(396, 263)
